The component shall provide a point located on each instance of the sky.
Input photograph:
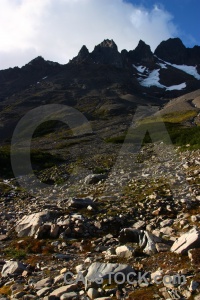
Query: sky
(57, 29)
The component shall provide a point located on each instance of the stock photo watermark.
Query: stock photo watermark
(121, 278)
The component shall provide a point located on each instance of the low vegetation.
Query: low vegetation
(39, 160)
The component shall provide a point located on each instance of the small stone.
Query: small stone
(92, 293)
(69, 296)
(43, 291)
(63, 271)
(193, 286)
(124, 251)
(64, 289)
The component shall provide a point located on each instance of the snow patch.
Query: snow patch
(176, 87)
(153, 77)
(191, 70)
(163, 66)
(140, 69)
(152, 80)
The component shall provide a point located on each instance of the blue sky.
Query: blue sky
(57, 29)
(186, 16)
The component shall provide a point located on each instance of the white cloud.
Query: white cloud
(56, 29)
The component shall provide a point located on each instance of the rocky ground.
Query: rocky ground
(139, 218)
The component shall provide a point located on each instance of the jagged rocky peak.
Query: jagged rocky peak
(83, 52)
(172, 51)
(108, 44)
(37, 61)
(107, 53)
(41, 62)
(141, 54)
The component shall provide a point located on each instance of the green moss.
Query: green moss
(174, 117)
(15, 253)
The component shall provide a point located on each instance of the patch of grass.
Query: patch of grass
(173, 117)
(99, 170)
(143, 293)
(179, 117)
(169, 133)
(20, 250)
(139, 190)
(16, 253)
(47, 127)
(69, 143)
(39, 160)
(5, 290)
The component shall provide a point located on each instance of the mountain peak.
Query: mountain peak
(108, 44)
(172, 50)
(107, 53)
(142, 53)
(37, 60)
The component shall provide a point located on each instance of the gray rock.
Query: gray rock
(64, 289)
(187, 241)
(94, 178)
(124, 251)
(106, 271)
(139, 225)
(29, 225)
(92, 293)
(193, 286)
(46, 282)
(167, 222)
(12, 268)
(69, 296)
(80, 202)
(43, 291)
(145, 239)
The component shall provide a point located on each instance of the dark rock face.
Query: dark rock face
(194, 55)
(175, 52)
(82, 56)
(172, 51)
(142, 53)
(15, 79)
(107, 53)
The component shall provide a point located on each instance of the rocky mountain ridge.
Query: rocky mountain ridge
(172, 51)
(122, 197)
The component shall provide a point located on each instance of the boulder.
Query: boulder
(46, 282)
(146, 240)
(12, 268)
(94, 178)
(92, 293)
(187, 241)
(124, 251)
(43, 231)
(106, 271)
(80, 202)
(29, 225)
